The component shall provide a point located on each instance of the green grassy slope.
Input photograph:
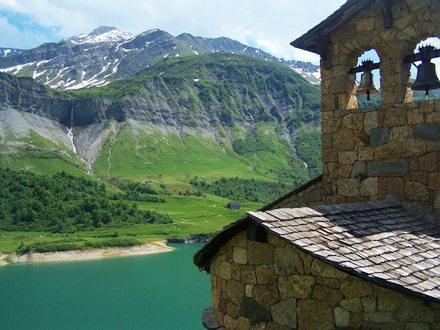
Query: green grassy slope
(26, 199)
(145, 154)
(231, 114)
(35, 153)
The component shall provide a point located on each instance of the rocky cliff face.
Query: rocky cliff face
(203, 91)
(23, 94)
(108, 54)
(248, 104)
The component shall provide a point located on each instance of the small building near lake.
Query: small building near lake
(359, 246)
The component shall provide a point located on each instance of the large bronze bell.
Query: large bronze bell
(367, 84)
(426, 78)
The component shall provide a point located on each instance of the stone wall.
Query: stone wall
(309, 194)
(369, 154)
(393, 148)
(274, 285)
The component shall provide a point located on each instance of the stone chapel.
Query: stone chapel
(359, 246)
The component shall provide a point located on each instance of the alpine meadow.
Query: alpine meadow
(147, 137)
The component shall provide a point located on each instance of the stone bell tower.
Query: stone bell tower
(392, 148)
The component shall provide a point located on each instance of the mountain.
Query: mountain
(108, 54)
(216, 114)
(183, 137)
(9, 51)
(108, 34)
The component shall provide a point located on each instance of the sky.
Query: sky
(266, 24)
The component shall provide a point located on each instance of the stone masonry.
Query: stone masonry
(393, 148)
(385, 150)
(368, 154)
(274, 285)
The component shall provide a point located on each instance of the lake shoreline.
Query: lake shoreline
(80, 255)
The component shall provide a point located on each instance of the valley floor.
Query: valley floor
(80, 255)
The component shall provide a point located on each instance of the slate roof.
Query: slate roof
(311, 41)
(386, 242)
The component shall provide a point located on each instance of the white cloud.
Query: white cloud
(272, 25)
(432, 41)
(14, 38)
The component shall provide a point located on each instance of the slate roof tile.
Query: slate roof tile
(384, 241)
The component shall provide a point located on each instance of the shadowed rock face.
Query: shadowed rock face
(206, 91)
(23, 94)
(249, 102)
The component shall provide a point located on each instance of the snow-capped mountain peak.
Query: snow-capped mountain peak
(107, 54)
(101, 34)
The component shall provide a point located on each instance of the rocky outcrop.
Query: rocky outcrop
(23, 94)
(196, 94)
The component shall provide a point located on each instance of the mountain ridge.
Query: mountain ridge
(107, 54)
(101, 34)
(230, 98)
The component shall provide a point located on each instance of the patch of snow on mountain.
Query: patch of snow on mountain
(6, 52)
(119, 45)
(94, 81)
(61, 83)
(115, 68)
(36, 74)
(102, 83)
(102, 34)
(17, 68)
(313, 77)
(69, 83)
(42, 62)
(128, 50)
(197, 53)
(62, 71)
(148, 32)
(177, 55)
(83, 84)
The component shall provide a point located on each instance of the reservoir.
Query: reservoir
(157, 291)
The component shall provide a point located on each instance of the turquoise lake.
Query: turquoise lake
(158, 291)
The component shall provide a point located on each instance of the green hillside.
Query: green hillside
(232, 116)
(183, 138)
(141, 153)
(43, 213)
(32, 152)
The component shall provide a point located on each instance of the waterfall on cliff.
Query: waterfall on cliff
(69, 132)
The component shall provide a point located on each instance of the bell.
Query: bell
(367, 85)
(426, 78)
